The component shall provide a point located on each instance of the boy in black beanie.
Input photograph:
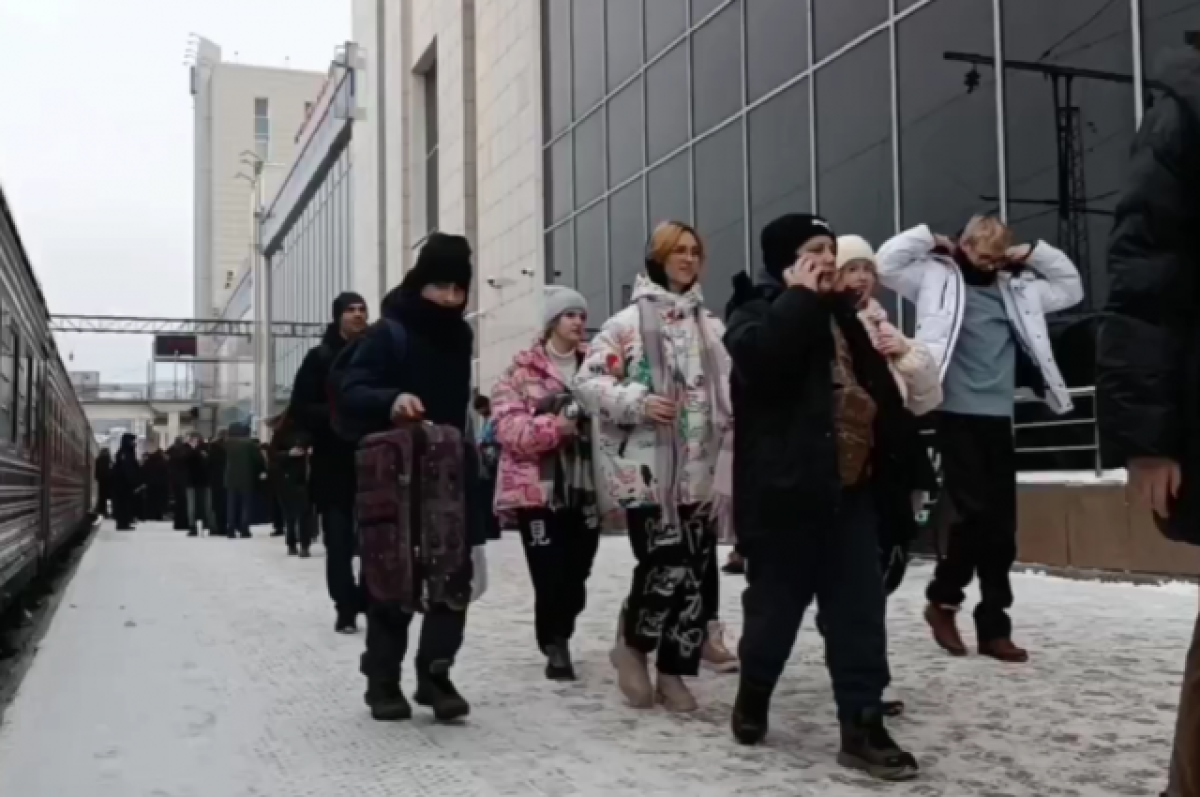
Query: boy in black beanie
(815, 411)
(415, 364)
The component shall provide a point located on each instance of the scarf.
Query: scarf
(566, 474)
(669, 445)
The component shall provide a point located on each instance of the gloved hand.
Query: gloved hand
(479, 570)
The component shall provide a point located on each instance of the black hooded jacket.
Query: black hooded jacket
(786, 476)
(1148, 355)
(433, 363)
(332, 458)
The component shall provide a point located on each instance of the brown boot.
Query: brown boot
(633, 675)
(945, 630)
(1004, 650)
(673, 693)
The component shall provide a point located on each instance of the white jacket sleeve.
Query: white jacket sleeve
(903, 260)
(602, 384)
(922, 377)
(1060, 286)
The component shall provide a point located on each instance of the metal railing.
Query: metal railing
(1070, 439)
(132, 392)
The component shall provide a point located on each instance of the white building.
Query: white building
(450, 139)
(239, 109)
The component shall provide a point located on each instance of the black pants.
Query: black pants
(124, 508)
(179, 506)
(710, 589)
(665, 610)
(220, 511)
(296, 521)
(560, 550)
(102, 499)
(278, 513)
(837, 562)
(442, 632)
(979, 462)
(341, 544)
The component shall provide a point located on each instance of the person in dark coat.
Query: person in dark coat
(177, 470)
(428, 378)
(103, 476)
(244, 468)
(1148, 356)
(332, 476)
(289, 460)
(157, 485)
(820, 428)
(216, 485)
(127, 480)
(199, 505)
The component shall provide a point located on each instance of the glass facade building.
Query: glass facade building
(878, 114)
(308, 232)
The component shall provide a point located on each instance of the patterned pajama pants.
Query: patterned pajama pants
(665, 611)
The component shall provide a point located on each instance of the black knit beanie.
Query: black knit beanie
(444, 259)
(782, 238)
(344, 301)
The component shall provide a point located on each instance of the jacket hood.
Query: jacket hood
(746, 290)
(1178, 73)
(333, 335)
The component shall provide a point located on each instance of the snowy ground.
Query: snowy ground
(209, 668)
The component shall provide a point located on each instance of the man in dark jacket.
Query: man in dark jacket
(820, 428)
(1148, 357)
(199, 508)
(103, 476)
(244, 467)
(428, 378)
(157, 484)
(216, 484)
(332, 476)
(177, 469)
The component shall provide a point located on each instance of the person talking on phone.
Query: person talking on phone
(818, 422)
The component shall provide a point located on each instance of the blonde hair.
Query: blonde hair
(666, 237)
(988, 234)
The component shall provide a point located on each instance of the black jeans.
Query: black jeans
(241, 504)
(560, 550)
(710, 589)
(442, 631)
(220, 511)
(179, 506)
(296, 515)
(665, 609)
(837, 562)
(979, 462)
(341, 543)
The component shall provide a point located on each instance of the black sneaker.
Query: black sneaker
(751, 710)
(867, 746)
(304, 554)
(190, 533)
(245, 535)
(292, 551)
(435, 690)
(558, 662)
(387, 702)
(347, 623)
(277, 533)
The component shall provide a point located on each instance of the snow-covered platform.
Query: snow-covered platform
(183, 667)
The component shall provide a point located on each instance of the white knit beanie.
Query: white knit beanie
(853, 247)
(558, 299)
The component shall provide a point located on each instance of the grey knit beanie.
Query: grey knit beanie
(558, 299)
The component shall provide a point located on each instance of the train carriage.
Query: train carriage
(46, 444)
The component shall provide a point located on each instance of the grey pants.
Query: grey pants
(199, 510)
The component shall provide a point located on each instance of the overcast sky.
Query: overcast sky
(96, 144)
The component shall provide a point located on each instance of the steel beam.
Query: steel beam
(213, 327)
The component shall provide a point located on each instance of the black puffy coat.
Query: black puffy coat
(332, 458)
(1148, 355)
(433, 363)
(786, 474)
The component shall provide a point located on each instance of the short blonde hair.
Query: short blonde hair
(988, 234)
(666, 237)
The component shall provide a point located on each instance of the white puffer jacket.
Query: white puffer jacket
(908, 266)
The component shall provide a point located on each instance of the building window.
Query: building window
(262, 128)
(431, 148)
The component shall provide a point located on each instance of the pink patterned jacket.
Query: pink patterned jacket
(524, 438)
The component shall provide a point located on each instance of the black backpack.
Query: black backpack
(345, 426)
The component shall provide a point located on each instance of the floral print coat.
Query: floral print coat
(525, 438)
(614, 382)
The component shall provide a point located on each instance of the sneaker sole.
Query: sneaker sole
(890, 774)
(443, 716)
(721, 667)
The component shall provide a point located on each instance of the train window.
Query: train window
(33, 407)
(7, 363)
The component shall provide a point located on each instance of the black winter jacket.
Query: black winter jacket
(433, 364)
(332, 478)
(290, 471)
(197, 466)
(1148, 355)
(786, 475)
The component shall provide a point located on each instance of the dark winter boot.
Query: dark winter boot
(387, 702)
(347, 622)
(751, 712)
(436, 691)
(558, 662)
(304, 554)
(292, 551)
(192, 533)
(867, 746)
